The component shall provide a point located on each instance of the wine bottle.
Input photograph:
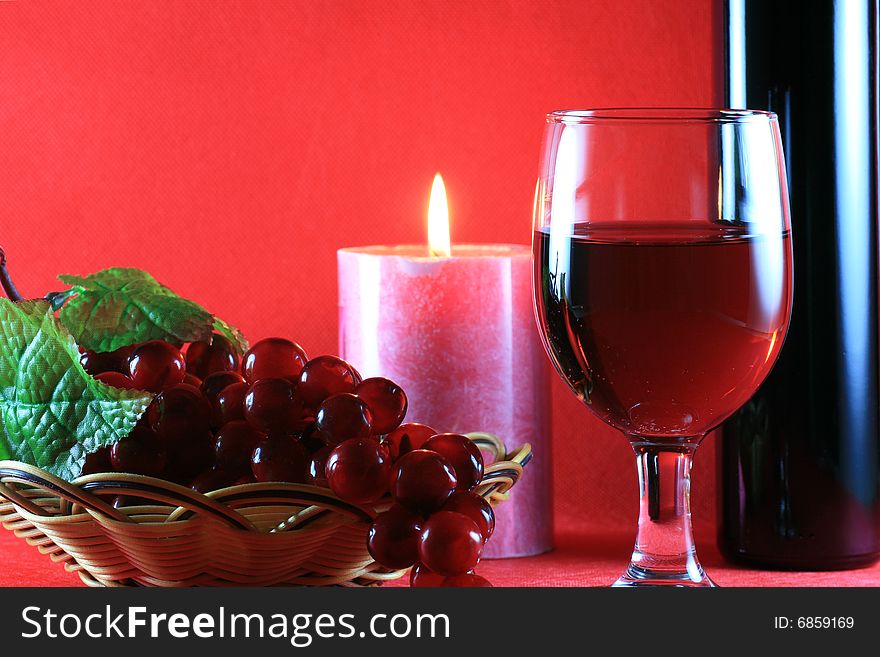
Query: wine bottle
(799, 465)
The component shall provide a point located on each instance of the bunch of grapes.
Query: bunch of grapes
(436, 523)
(274, 415)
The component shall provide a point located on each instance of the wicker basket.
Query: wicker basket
(249, 535)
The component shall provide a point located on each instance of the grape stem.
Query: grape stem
(6, 281)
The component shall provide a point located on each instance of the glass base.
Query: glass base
(637, 576)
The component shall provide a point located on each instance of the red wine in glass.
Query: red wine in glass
(664, 330)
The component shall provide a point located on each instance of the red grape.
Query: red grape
(358, 470)
(235, 445)
(421, 576)
(463, 454)
(229, 404)
(450, 543)
(468, 579)
(193, 381)
(124, 354)
(280, 457)
(178, 412)
(98, 461)
(246, 478)
(156, 365)
(204, 358)
(406, 438)
(311, 439)
(189, 457)
(213, 479)
(140, 452)
(272, 406)
(325, 376)
(474, 507)
(343, 417)
(116, 380)
(394, 538)
(215, 383)
(422, 481)
(273, 358)
(99, 362)
(317, 467)
(386, 401)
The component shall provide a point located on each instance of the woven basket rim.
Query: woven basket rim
(155, 542)
(502, 473)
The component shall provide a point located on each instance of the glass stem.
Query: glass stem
(664, 552)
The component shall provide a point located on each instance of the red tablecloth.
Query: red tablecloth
(590, 559)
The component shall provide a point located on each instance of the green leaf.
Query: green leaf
(5, 454)
(53, 413)
(235, 336)
(118, 307)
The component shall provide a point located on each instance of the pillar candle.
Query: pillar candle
(458, 334)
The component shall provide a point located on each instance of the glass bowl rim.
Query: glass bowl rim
(657, 115)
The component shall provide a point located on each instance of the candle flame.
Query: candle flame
(438, 221)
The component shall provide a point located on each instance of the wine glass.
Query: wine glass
(662, 280)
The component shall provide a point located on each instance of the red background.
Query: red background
(231, 147)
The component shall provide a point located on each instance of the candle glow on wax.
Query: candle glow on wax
(438, 221)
